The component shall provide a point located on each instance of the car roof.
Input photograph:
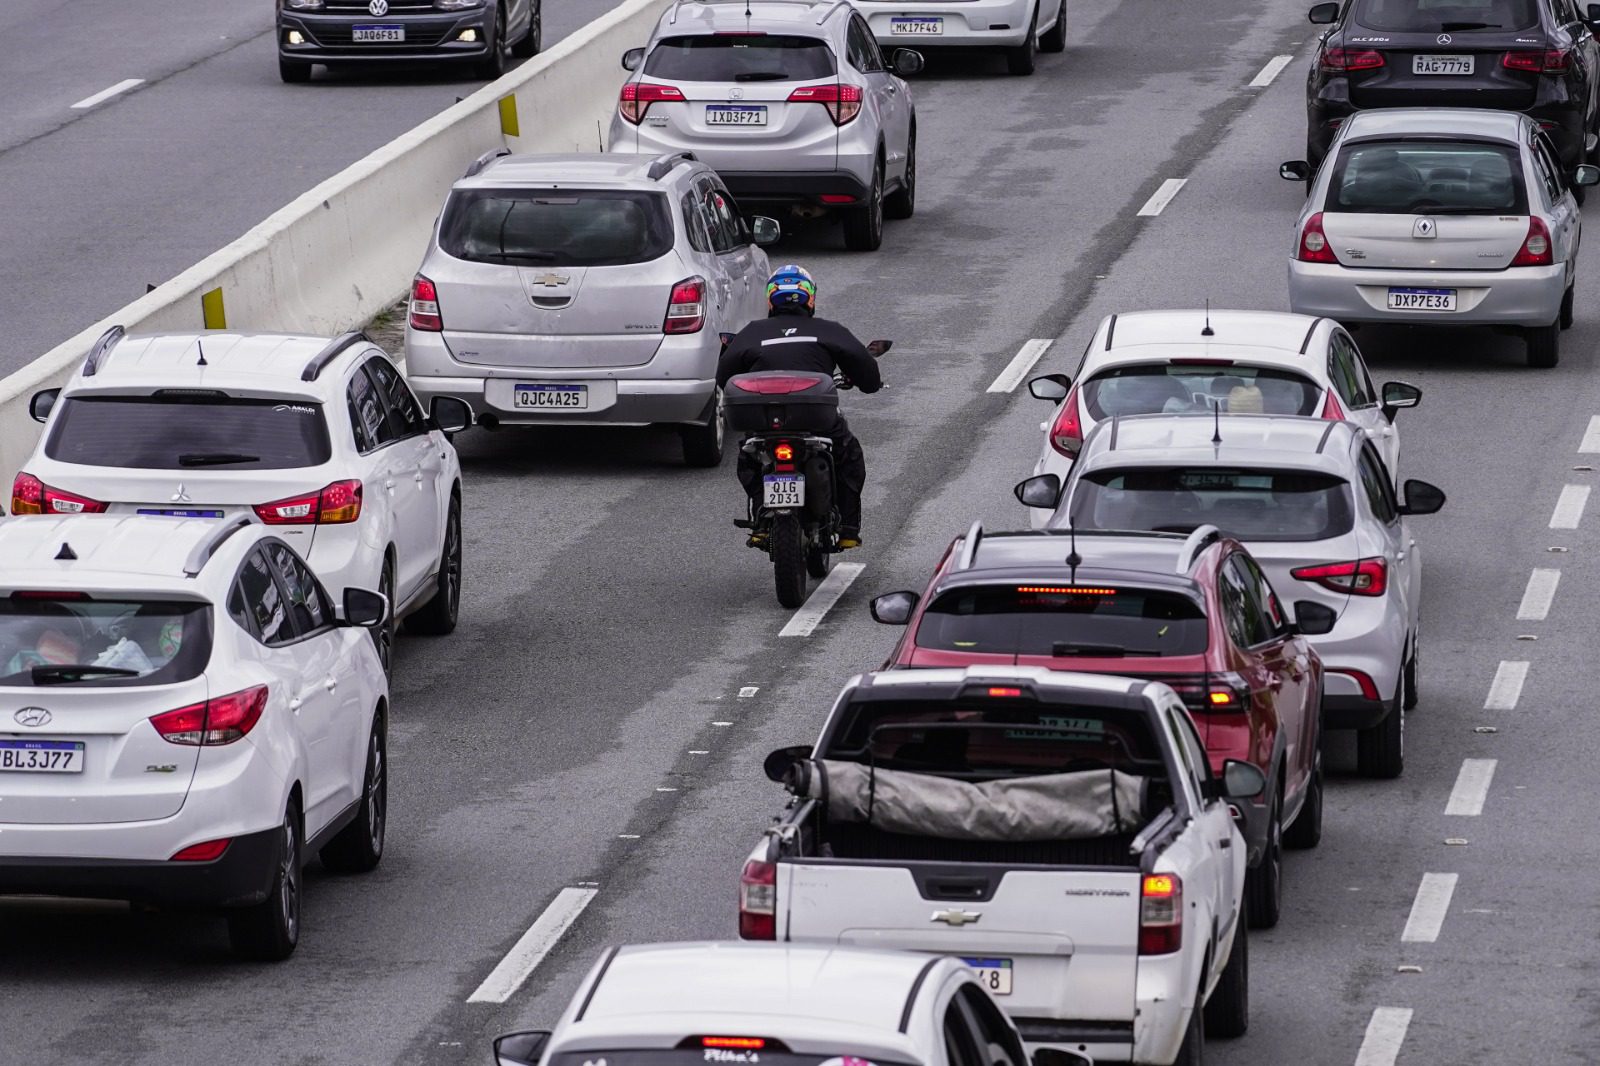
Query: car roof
(265, 362)
(1436, 121)
(1271, 441)
(1123, 557)
(803, 17)
(1160, 335)
(90, 552)
(565, 168)
(885, 681)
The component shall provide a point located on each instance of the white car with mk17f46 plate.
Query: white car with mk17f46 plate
(1018, 29)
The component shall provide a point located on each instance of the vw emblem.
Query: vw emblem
(1443, 38)
(180, 496)
(379, 7)
(1424, 227)
(735, 93)
(32, 717)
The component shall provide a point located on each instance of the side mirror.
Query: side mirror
(1313, 618)
(878, 348)
(1295, 170)
(1586, 174)
(1398, 394)
(1055, 1056)
(43, 403)
(1041, 490)
(631, 60)
(765, 230)
(521, 1049)
(1323, 14)
(906, 62)
(1052, 387)
(1422, 498)
(777, 763)
(893, 608)
(450, 415)
(1242, 780)
(365, 608)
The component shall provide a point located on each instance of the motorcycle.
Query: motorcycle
(785, 416)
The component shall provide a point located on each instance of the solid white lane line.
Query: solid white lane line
(1506, 688)
(1591, 437)
(1020, 364)
(1385, 1033)
(1536, 598)
(105, 94)
(528, 952)
(826, 595)
(1569, 507)
(1273, 68)
(1472, 787)
(1162, 197)
(1429, 908)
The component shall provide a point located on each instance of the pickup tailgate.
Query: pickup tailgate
(1068, 936)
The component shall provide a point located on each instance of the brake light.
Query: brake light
(1331, 409)
(784, 452)
(842, 101)
(1535, 250)
(1210, 692)
(1066, 435)
(1066, 590)
(211, 849)
(758, 901)
(773, 384)
(215, 722)
(1160, 914)
(29, 495)
(1313, 246)
(1364, 577)
(686, 307)
(742, 1043)
(425, 306)
(335, 504)
(1345, 60)
(637, 96)
(998, 692)
(1554, 61)
(837, 198)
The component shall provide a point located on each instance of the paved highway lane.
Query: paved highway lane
(598, 720)
(105, 199)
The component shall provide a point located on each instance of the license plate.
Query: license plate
(1422, 299)
(378, 34)
(552, 397)
(784, 490)
(1456, 65)
(179, 512)
(736, 115)
(993, 974)
(914, 26)
(41, 757)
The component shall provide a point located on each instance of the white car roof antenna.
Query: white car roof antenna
(1207, 331)
(1216, 421)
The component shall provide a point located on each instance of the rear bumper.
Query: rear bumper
(1516, 296)
(242, 876)
(326, 38)
(793, 187)
(974, 24)
(1163, 999)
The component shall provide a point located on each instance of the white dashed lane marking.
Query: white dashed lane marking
(1506, 688)
(1020, 364)
(1539, 594)
(1429, 908)
(1385, 1033)
(826, 595)
(1591, 438)
(1273, 68)
(528, 952)
(105, 94)
(1569, 507)
(1472, 787)
(1162, 197)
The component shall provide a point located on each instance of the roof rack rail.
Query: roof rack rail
(320, 361)
(207, 548)
(102, 350)
(1201, 536)
(969, 547)
(477, 165)
(663, 164)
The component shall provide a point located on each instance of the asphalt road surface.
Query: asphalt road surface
(598, 721)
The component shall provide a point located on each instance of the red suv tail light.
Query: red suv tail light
(336, 504)
(1313, 246)
(686, 307)
(29, 495)
(1364, 577)
(1554, 61)
(1345, 60)
(425, 306)
(842, 101)
(1535, 250)
(1066, 433)
(1209, 692)
(758, 901)
(637, 97)
(1160, 914)
(214, 722)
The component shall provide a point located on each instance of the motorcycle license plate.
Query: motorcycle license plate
(784, 490)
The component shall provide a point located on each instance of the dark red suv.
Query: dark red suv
(1195, 612)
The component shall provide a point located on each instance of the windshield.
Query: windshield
(1430, 177)
(1195, 388)
(1261, 505)
(567, 227)
(1431, 16)
(67, 638)
(1081, 620)
(166, 432)
(740, 57)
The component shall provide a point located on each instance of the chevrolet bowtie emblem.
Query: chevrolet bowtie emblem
(552, 281)
(956, 918)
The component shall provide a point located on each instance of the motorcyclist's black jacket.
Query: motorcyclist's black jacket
(793, 340)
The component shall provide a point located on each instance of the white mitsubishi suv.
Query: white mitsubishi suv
(183, 719)
(322, 440)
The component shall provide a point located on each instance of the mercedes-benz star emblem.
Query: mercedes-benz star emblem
(379, 7)
(32, 717)
(1443, 38)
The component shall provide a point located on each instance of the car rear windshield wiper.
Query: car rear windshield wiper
(215, 458)
(518, 257)
(761, 75)
(62, 673)
(1063, 648)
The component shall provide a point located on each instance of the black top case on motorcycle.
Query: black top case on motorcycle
(781, 401)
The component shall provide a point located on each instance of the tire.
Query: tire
(863, 226)
(358, 847)
(1227, 1014)
(268, 931)
(493, 63)
(1544, 345)
(1263, 883)
(789, 560)
(1306, 830)
(818, 563)
(1381, 749)
(902, 203)
(1055, 38)
(292, 72)
(1566, 309)
(533, 40)
(383, 635)
(703, 445)
(1192, 1052)
(1020, 60)
(437, 617)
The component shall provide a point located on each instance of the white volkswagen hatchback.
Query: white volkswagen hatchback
(321, 440)
(183, 719)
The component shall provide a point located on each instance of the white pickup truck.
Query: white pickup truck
(1060, 832)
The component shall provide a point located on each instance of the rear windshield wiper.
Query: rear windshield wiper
(62, 673)
(518, 257)
(215, 458)
(1100, 651)
(761, 75)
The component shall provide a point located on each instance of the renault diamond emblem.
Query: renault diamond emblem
(956, 918)
(180, 496)
(552, 281)
(32, 717)
(1443, 38)
(1424, 226)
(379, 7)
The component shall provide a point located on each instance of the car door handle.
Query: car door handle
(388, 483)
(418, 477)
(295, 704)
(1399, 556)
(1225, 843)
(330, 684)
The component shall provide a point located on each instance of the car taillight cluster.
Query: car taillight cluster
(637, 96)
(1066, 433)
(686, 307)
(1535, 250)
(1160, 914)
(1552, 61)
(758, 901)
(215, 722)
(1210, 692)
(29, 495)
(1345, 60)
(335, 504)
(1364, 577)
(783, 457)
(842, 101)
(425, 306)
(1313, 245)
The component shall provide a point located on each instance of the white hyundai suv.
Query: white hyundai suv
(321, 440)
(184, 719)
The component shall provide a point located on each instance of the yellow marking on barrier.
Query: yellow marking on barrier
(508, 116)
(211, 308)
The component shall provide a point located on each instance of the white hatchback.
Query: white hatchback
(321, 440)
(183, 719)
(1195, 361)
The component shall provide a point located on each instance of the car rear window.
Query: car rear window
(1432, 16)
(46, 640)
(1196, 389)
(179, 431)
(1428, 177)
(740, 57)
(1083, 620)
(549, 227)
(1253, 504)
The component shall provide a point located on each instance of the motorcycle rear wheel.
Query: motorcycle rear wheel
(818, 560)
(789, 560)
